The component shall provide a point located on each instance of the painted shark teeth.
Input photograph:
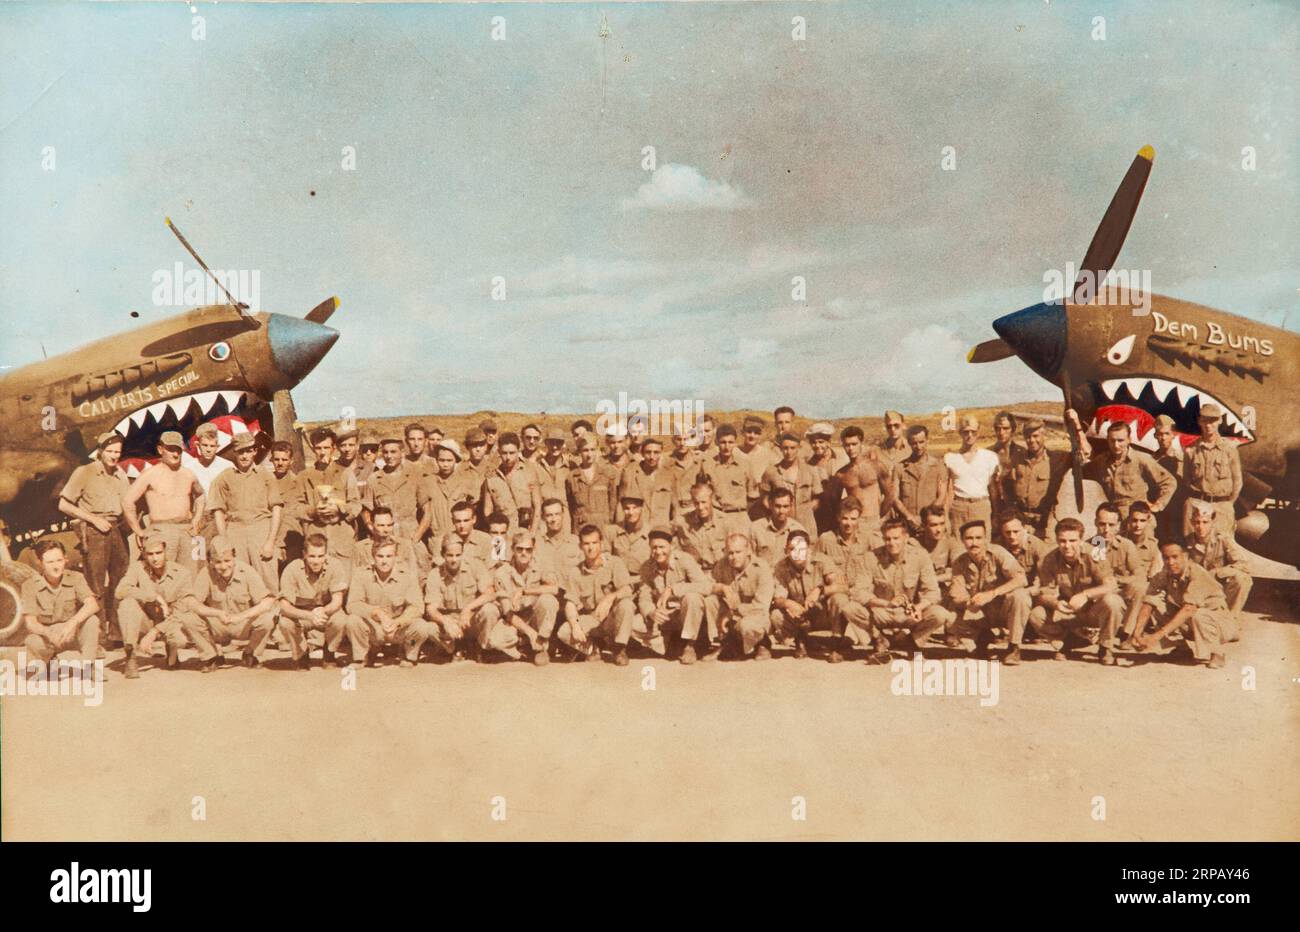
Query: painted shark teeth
(1161, 388)
(183, 406)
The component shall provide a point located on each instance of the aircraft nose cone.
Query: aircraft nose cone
(1037, 334)
(297, 345)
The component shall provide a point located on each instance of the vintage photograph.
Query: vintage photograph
(751, 421)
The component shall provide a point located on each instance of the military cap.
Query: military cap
(243, 442)
(171, 438)
(108, 437)
(345, 433)
(555, 435)
(369, 440)
(1031, 425)
(662, 531)
(893, 415)
(1210, 412)
(1164, 420)
(632, 497)
(474, 435)
(450, 445)
(220, 544)
(821, 429)
(207, 429)
(150, 538)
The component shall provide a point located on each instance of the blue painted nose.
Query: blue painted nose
(297, 345)
(1037, 334)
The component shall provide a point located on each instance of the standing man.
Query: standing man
(974, 480)
(592, 487)
(699, 532)
(174, 498)
(59, 608)
(415, 456)
(552, 469)
(922, 479)
(756, 457)
(683, 465)
(649, 482)
(439, 490)
(824, 463)
(246, 505)
(396, 486)
(383, 530)
(1169, 454)
(741, 599)
(1035, 479)
(895, 448)
(1004, 445)
(630, 540)
(288, 543)
(530, 448)
(1126, 474)
(1078, 591)
(1217, 553)
(671, 596)
(228, 602)
(311, 599)
(1211, 473)
(476, 468)
(328, 500)
(512, 488)
(730, 480)
(206, 466)
(868, 480)
(385, 608)
(598, 600)
(363, 467)
(792, 473)
(93, 495)
(150, 597)
(989, 590)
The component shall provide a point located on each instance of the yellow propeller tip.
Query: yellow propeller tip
(1148, 153)
(167, 220)
(335, 299)
(970, 354)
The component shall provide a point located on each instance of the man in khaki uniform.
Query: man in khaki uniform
(617, 456)
(528, 596)
(597, 600)
(671, 597)
(557, 550)
(512, 488)
(530, 444)
(741, 600)
(756, 456)
(904, 593)
(989, 590)
(383, 531)
(246, 505)
(459, 598)
(1184, 596)
(792, 473)
(1035, 479)
(439, 490)
(942, 547)
(365, 464)
(683, 465)
(1126, 564)
(1027, 549)
(93, 495)
(700, 533)
(825, 461)
(1169, 454)
(174, 498)
(415, 456)
(476, 545)
(288, 544)
(476, 467)
(552, 470)
(1077, 591)
(1212, 473)
(630, 540)
(592, 487)
(385, 608)
(59, 608)
(1213, 550)
(922, 479)
(1140, 531)
(328, 499)
(653, 485)
(799, 595)
(1126, 473)
(150, 597)
(396, 487)
(311, 599)
(730, 480)
(1004, 445)
(767, 535)
(228, 602)
(895, 448)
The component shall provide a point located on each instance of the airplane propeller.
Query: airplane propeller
(990, 351)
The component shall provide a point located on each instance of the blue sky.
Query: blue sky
(522, 158)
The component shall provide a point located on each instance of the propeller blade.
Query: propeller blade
(990, 351)
(321, 312)
(1109, 238)
(286, 425)
(1076, 468)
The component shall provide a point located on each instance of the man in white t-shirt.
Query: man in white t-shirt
(976, 478)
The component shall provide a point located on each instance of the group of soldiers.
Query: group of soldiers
(712, 542)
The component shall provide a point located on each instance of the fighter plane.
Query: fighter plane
(213, 363)
(1132, 359)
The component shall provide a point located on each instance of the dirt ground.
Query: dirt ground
(715, 751)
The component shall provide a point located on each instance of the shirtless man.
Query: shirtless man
(867, 479)
(175, 501)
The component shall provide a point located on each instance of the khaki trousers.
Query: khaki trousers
(1056, 624)
(209, 633)
(65, 636)
(1010, 611)
(135, 618)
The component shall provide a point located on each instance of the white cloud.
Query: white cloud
(681, 187)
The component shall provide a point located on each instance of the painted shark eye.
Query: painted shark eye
(220, 351)
(1118, 354)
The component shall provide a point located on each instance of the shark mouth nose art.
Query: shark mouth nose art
(232, 411)
(1138, 401)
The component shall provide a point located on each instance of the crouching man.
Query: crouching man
(59, 609)
(905, 591)
(1078, 591)
(528, 598)
(741, 599)
(311, 599)
(671, 597)
(1186, 597)
(459, 599)
(989, 590)
(799, 599)
(228, 602)
(598, 602)
(385, 609)
(149, 602)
